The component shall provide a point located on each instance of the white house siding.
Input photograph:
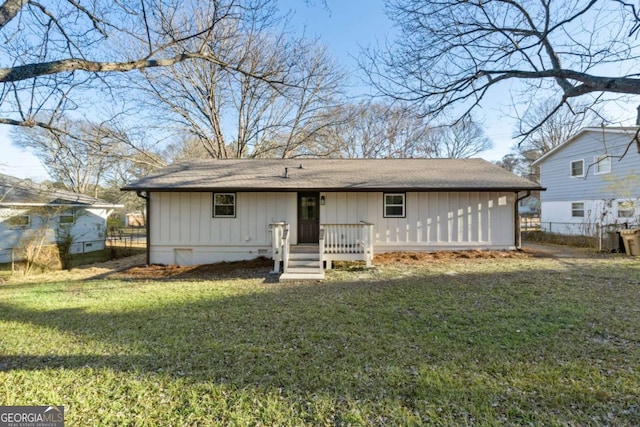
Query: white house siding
(434, 221)
(88, 230)
(599, 192)
(183, 230)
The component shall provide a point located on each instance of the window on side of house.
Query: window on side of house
(625, 209)
(224, 205)
(19, 221)
(577, 210)
(394, 206)
(577, 168)
(67, 216)
(602, 164)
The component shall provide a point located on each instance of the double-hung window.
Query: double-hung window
(394, 205)
(577, 168)
(625, 209)
(67, 217)
(224, 205)
(602, 164)
(577, 210)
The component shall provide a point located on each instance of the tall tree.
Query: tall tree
(452, 54)
(237, 115)
(81, 155)
(461, 140)
(52, 52)
(384, 130)
(374, 130)
(551, 130)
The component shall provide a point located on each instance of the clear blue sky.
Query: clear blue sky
(345, 27)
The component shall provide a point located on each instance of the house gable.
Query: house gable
(591, 165)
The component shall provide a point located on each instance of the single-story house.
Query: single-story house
(329, 209)
(32, 211)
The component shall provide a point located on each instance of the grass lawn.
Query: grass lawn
(462, 342)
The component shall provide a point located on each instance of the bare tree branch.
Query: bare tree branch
(451, 54)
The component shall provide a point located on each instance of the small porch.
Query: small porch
(336, 242)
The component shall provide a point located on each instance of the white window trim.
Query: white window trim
(70, 213)
(235, 205)
(597, 161)
(404, 205)
(573, 210)
(571, 168)
(633, 209)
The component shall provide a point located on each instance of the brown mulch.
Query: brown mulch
(261, 266)
(411, 258)
(244, 269)
(132, 268)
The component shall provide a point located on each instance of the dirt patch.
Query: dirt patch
(242, 269)
(133, 268)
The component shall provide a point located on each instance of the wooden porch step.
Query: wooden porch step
(311, 263)
(295, 275)
(314, 269)
(304, 249)
(305, 256)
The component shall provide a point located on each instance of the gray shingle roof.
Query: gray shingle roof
(18, 191)
(333, 175)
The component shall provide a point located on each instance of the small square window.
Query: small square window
(602, 164)
(577, 168)
(577, 210)
(224, 205)
(67, 217)
(394, 205)
(20, 221)
(625, 209)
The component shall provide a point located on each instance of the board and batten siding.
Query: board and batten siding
(433, 221)
(183, 230)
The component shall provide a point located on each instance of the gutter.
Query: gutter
(145, 195)
(517, 238)
(62, 205)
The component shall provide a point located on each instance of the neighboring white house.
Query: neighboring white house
(592, 178)
(225, 210)
(29, 210)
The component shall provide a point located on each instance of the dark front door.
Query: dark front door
(308, 217)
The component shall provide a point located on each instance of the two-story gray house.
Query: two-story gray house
(591, 178)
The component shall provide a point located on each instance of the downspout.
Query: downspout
(147, 222)
(517, 237)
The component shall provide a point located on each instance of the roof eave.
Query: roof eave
(335, 189)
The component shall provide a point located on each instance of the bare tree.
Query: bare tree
(80, 154)
(551, 130)
(236, 115)
(52, 52)
(385, 130)
(452, 54)
(462, 139)
(374, 130)
(509, 162)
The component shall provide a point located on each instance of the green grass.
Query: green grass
(466, 342)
